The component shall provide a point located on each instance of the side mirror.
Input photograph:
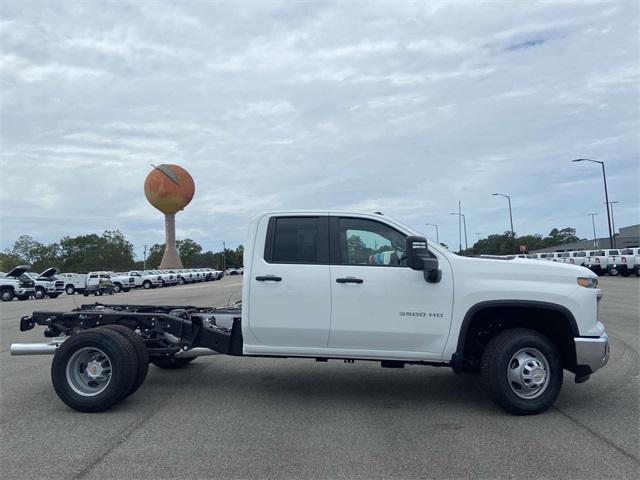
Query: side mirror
(418, 258)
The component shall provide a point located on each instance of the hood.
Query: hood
(515, 268)
(18, 271)
(49, 272)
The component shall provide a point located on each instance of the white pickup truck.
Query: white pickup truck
(629, 262)
(352, 287)
(14, 284)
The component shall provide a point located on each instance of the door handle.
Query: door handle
(349, 280)
(268, 278)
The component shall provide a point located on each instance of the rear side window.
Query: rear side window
(297, 240)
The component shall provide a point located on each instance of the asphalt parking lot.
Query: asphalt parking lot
(270, 418)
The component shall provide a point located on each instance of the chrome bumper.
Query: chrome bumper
(592, 352)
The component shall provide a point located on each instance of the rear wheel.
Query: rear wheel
(6, 295)
(70, 289)
(94, 369)
(117, 287)
(171, 363)
(141, 353)
(126, 289)
(53, 295)
(522, 371)
(22, 298)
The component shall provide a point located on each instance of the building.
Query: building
(627, 237)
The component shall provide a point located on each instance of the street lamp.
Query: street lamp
(595, 239)
(508, 197)
(613, 221)
(464, 221)
(437, 237)
(606, 196)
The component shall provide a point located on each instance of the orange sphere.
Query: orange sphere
(169, 188)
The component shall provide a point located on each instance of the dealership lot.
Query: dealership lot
(243, 417)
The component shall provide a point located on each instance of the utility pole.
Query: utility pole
(224, 259)
(144, 261)
(595, 239)
(478, 234)
(461, 219)
(613, 223)
(437, 236)
(612, 240)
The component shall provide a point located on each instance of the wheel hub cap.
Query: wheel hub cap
(89, 371)
(527, 373)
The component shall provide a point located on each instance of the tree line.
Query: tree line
(109, 251)
(507, 243)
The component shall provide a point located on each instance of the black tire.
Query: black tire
(171, 363)
(499, 359)
(7, 295)
(117, 287)
(70, 289)
(122, 360)
(40, 293)
(182, 281)
(624, 273)
(141, 353)
(125, 290)
(97, 292)
(147, 284)
(22, 298)
(86, 294)
(53, 295)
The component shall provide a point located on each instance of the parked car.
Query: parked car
(13, 284)
(122, 282)
(597, 261)
(46, 283)
(145, 280)
(628, 262)
(521, 323)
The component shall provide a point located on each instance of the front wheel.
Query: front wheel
(7, 295)
(94, 370)
(522, 371)
(40, 293)
(70, 289)
(146, 285)
(117, 287)
(53, 295)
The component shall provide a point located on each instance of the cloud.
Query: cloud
(405, 109)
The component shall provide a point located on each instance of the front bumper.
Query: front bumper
(592, 353)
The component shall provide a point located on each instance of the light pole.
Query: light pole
(144, 261)
(437, 237)
(595, 239)
(606, 196)
(464, 221)
(613, 222)
(508, 197)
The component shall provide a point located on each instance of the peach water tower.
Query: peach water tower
(169, 188)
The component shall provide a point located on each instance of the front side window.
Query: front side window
(295, 240)
(367, 242)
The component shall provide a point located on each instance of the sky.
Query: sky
(401, 107)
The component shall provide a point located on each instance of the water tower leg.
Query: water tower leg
(170, 259)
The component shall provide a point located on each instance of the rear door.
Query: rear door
(378, 303)
(290, 288)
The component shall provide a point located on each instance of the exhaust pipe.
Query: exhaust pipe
(34, 348)
(196, 352)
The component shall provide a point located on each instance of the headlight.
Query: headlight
(588, 282)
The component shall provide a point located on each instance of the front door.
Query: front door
(378, 303)
(290, 290)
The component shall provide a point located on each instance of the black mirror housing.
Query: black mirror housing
(418, 258)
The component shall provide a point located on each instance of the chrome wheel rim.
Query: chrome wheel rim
(89, 371)
(528, 373)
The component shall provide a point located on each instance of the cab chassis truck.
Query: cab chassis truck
(348, 286)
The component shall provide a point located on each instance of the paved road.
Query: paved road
(270, 418)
